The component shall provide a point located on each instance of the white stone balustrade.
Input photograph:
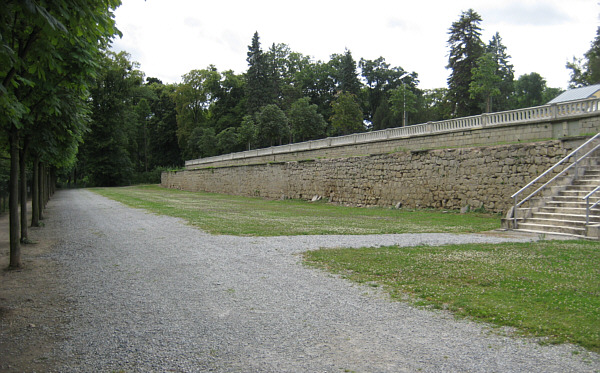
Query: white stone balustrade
(551, 112)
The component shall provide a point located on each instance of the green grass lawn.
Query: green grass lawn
(548, 289)
(224, 214)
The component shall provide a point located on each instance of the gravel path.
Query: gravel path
(151, 294)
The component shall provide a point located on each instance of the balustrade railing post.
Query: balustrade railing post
(553, 111)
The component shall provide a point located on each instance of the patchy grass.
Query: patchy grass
(225, 214)
(547, 289)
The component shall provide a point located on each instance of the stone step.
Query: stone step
(586, 188)
(566, 204)
(556, 222)
(552, 229)
(575, 197)
(586, 180)
(569, 217)
(549, 232)
(567, 211)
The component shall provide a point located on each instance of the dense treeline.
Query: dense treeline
(141, 126)
(76, 111)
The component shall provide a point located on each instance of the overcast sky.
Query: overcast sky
(171, 37)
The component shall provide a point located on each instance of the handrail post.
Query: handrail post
(587, 211)
(576, 164)
(515, 214)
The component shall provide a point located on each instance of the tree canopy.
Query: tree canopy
(48, 51)
(586, 71)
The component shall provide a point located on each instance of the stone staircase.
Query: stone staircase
(564, 212)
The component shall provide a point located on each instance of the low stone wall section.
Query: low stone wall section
(479, 177)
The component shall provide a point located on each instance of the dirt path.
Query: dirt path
(31, 305)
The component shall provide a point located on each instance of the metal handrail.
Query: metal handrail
(587, 204)
(573, 153)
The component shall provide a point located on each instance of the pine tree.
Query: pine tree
(346, 77)
(259, 88)
(465, 49)
(505, 73)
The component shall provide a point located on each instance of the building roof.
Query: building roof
(576, 94)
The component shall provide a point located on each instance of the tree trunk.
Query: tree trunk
(41, 191)
(23, 187)
(35, 194)
(13, 201)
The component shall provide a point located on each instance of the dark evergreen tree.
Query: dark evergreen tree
(259, 84)
(505, 72)
(105, 150)
(466, 48)
(164, 148)
(345, 74)
(384, 117)
(202, 143)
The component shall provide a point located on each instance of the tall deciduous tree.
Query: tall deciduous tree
(38, 42)
(529, 91)
(485, 80)
(317, 82)
(403, 101)
(436, 104)
(193, 98)
(347, 115)
(465, 49)
(228, 109)
(586, 71)
(305, 121)
(380, 78)
(272, 125)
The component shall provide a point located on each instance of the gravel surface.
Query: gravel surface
(148, 293)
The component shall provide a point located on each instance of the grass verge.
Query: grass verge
(547, 289)
(225, 214)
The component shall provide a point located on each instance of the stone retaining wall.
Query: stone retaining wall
(439, 178)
